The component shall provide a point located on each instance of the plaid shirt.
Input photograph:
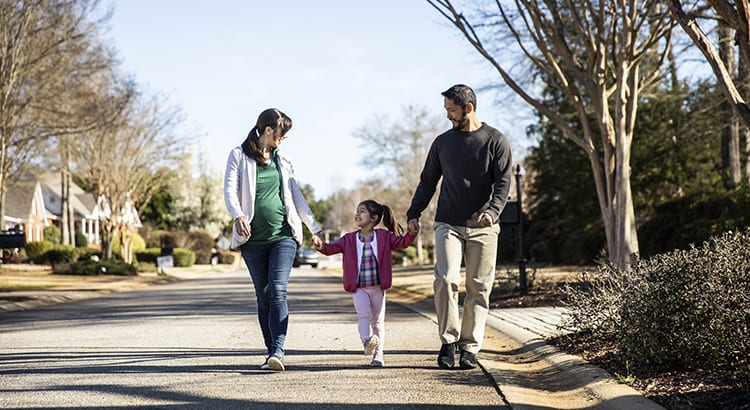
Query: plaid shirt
(368, 267)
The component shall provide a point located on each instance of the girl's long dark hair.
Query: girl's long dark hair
(383, 212)
(271, 117)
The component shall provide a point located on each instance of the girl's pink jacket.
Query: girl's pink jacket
(386, 242)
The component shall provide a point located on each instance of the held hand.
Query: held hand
(413, 226)
(242, 226)
(317, 242)
(485, 219)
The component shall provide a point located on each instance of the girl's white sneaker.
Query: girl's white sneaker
(371, 344)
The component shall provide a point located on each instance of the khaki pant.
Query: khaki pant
(479, 248)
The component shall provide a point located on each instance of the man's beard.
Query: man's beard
(461, 122)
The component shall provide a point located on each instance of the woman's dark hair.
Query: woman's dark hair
(383, 212)
(271, 117)
(461, 95)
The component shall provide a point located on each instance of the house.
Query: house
(82, 203)
(35, 202)
(25, 210)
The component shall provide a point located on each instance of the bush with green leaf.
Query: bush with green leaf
(88, 253)
(52, 234)
(148, 255)
(37, 249)
(682, 309)
(111, 267)
(139, 243)
(180, 256)
(183, 257)
(81, 240)
(61, 254)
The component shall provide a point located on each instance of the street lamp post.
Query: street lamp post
(521, 260)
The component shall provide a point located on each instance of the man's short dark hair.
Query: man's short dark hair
(461, 95)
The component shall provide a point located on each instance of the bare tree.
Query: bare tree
(593, 54)
(45, 45)
(399, 149)
(340, 214)
(122, 162)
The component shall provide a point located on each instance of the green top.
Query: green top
(269, 221)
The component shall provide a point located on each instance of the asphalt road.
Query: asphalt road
(196, 344)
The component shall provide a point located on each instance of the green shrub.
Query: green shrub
(87, 253)
(52, 234)
(138, 243)
(81, 240)
(112, 267)
(148, 255)
(183, 257)
(61, 254)
(37, 249)
(683, 309)
(154, 238)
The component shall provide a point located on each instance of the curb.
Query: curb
(530, 374)
(19, 301)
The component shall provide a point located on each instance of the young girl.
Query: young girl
(367, 269)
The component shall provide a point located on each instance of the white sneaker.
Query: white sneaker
(376, 363)
(275, 363)
(265, 365)
(371, 344)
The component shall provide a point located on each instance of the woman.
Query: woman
(268, 208)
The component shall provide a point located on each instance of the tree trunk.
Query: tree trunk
(3, 178)
(743, 81)
(65, 211)
(2, 205)
(106, 242)
(730, 137)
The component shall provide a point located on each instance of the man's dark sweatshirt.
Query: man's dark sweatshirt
(476, 170)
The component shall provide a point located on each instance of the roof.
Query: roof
(83, 203)
(18, 199)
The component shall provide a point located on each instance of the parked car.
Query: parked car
(306, 256)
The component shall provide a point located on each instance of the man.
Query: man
(474, 161)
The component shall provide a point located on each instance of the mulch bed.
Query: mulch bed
(726, 389)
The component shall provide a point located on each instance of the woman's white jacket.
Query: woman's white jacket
(239, 194)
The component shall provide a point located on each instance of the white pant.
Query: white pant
(478, 246)
(370, 306)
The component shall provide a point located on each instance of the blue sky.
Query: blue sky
(330, 65)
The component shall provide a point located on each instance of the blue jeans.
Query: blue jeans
(270, 266)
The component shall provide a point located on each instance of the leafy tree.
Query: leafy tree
(676, 163)
(319, 207)
(157, 211)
